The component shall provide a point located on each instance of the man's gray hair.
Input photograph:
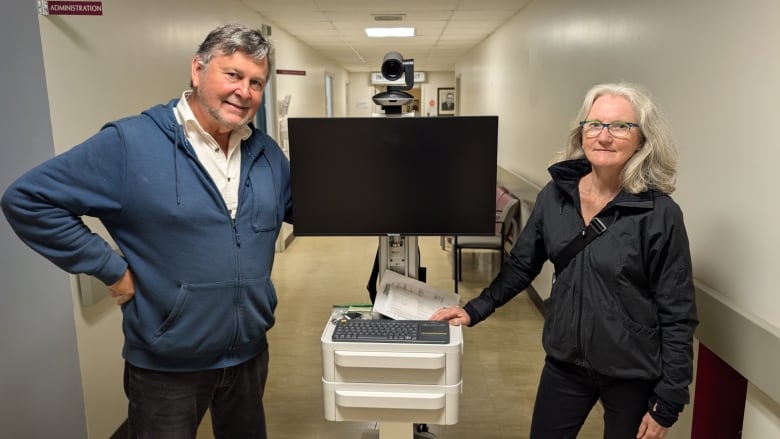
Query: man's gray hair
(232, 37)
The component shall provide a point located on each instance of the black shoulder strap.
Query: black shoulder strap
(595, 229)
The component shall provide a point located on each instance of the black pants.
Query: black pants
(170, 405)
(567, 393)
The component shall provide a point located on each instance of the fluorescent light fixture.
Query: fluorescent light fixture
(380, 32)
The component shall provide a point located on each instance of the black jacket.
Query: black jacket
(625, 305)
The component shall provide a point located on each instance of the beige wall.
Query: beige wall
(134, 56)
(714, 68)
(761, 420)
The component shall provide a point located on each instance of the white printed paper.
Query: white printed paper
(403, 298)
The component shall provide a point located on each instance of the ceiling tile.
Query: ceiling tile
(446, 29)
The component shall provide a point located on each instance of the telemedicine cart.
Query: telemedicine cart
(395, 384)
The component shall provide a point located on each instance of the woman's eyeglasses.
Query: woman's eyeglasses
(620, 129)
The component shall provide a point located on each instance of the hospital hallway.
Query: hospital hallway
(502, 356)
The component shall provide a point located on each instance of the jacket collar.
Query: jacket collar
(567, 174)
(164, 117)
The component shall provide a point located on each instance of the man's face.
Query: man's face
(228, 91)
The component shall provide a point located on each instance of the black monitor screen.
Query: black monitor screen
(397, 175)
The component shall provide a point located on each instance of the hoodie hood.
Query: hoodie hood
(163, 116)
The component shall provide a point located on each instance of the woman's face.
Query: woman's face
(605, 151)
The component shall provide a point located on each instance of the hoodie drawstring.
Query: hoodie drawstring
(176, 165)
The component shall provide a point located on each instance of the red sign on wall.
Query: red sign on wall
(52, 7)
(290, 72)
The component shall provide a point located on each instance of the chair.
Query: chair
(502, 196)
(503, 240)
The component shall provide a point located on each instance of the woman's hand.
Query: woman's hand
(649, 429)
(123, 289)
(453, 314)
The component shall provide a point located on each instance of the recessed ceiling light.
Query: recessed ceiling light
(379, 32)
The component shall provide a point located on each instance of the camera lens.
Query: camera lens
(392, 66)
(392, 70)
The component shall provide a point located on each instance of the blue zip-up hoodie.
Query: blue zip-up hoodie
(203, 293)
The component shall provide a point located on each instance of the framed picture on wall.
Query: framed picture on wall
(446, 102)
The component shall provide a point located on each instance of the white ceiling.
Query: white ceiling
(445, 29)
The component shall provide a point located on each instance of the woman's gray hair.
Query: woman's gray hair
(234, 37)
(654, 166)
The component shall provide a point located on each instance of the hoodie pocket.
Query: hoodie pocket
(256, 305)
(202, 320)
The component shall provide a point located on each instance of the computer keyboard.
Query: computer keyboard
(391, 331)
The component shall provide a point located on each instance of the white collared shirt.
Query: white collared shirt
(224, 169)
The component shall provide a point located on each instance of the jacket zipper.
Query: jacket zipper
(581, 298)
(237, 295)
(247, 160)
(580, 350)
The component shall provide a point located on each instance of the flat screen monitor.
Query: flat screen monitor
(393, 175)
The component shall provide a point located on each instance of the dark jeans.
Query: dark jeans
(567, 393)
(170, 405)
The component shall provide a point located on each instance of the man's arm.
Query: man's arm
(44, 206)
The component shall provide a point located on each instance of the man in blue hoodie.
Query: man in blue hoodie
(194, 197)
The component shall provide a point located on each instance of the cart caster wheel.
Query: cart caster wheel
(421, 432)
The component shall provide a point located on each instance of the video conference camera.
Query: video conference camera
(394, 66)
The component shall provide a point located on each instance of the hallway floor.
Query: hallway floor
(501, 361)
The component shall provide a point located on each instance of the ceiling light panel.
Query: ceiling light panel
(385, 32)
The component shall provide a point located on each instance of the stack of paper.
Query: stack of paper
(403, 298)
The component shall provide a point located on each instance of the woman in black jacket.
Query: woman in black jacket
(621, 314)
